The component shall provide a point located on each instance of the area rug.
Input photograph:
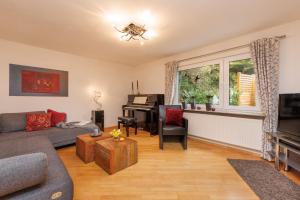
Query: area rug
(265, 180)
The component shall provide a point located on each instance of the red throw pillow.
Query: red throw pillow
(38, 121)
(57, 117)
(174, 116)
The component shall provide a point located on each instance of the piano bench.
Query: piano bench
(128, 122)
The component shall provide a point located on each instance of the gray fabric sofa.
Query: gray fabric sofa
(58, 137)
(58, 179)
(15, 141)
(12, 126)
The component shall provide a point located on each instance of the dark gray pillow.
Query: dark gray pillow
(10, 122)
(20, 172)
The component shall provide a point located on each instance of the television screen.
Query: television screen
(289, 114)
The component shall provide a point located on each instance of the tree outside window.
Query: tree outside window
(197, 84)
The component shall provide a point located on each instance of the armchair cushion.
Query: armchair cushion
(174, 116)
(173, 130)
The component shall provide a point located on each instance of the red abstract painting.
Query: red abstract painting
(40, 82)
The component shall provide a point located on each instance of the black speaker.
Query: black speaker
(98, 118)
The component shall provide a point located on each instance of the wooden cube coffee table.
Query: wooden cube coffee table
(114, 156)
(85, 146)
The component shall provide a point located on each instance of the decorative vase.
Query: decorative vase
(209, 103)
(208, 106)
(193, 105)
(183, 105)
(117, 139)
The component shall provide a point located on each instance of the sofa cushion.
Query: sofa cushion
(20, 172)
(57, 117)
(38, 121)
(10, 122)
(58, 181)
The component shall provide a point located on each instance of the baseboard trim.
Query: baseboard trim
(224, 144)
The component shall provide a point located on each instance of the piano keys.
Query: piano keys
(148, 103)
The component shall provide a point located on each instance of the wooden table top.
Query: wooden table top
(88, 138)
(111, 144)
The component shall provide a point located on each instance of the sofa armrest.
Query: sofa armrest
(20, 172)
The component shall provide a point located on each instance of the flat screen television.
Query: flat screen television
(289, 114)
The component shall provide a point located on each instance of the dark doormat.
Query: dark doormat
(265, 180)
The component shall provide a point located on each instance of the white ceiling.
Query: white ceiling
(79, 27)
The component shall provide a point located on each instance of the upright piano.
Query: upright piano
(147, 103)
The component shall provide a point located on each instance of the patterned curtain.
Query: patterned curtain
(265, 56)
(170, 82)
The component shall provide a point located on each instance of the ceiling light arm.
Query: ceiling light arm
(119, 30)
(142, 36)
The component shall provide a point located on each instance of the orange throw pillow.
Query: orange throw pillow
(38, 121)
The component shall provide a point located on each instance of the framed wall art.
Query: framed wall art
(35, 81)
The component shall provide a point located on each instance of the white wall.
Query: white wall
(114, 80)
(152, 77)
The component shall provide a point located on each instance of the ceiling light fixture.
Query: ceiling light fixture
(132, 31)
(134, 28)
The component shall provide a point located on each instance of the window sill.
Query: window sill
(227, 114)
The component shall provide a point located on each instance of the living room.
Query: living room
(124, 63)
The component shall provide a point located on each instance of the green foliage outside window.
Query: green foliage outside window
(196, 84)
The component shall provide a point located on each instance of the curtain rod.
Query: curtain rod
(224, 50)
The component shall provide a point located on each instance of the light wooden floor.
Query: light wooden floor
(201, 172)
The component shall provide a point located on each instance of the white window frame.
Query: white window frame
(221, 76)
(227, 61)
(224, 83)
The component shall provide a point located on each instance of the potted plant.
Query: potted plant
(189, 96)
(116, 134)
(183, 99)
(183, 103)
(185, 96)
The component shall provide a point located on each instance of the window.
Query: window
(242, 90)
(197, 83)
(230, 81)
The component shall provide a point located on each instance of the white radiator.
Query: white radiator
(242, 132)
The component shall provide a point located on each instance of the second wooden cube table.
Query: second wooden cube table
(114, 156)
